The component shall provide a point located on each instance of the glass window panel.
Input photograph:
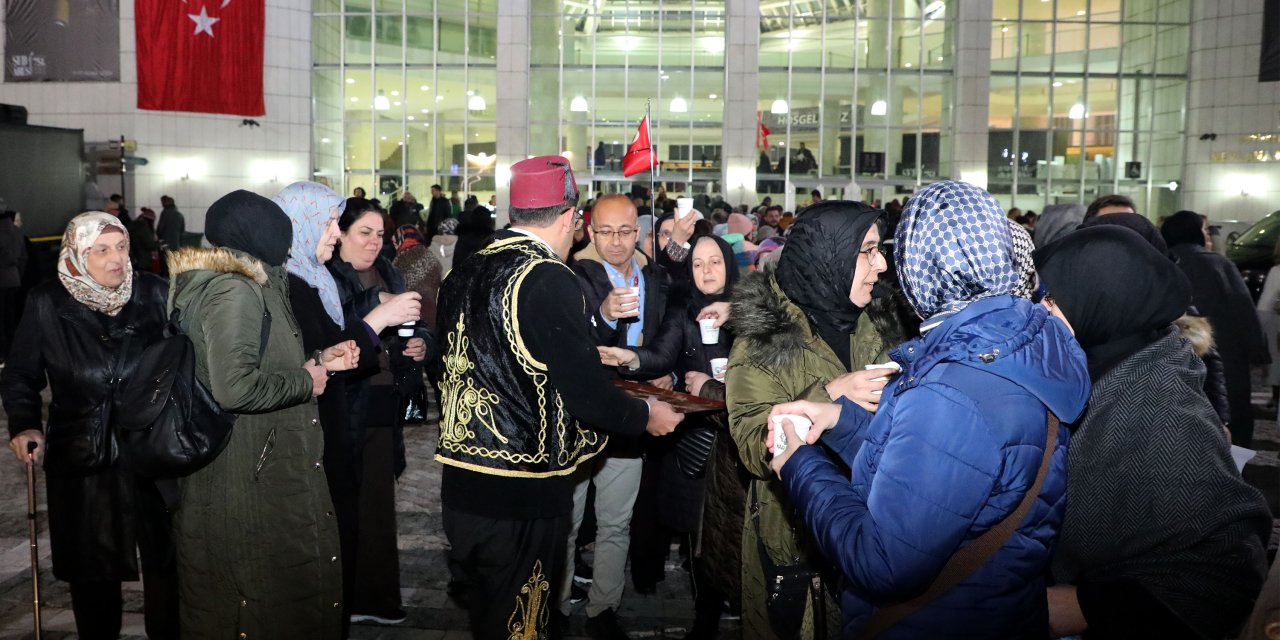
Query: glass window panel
(877, 53)
(420, 6)
(1172, 44)
(326, 40)
(1141, 10)
(388, 148)
(1167, 102)
(1003, 102)
(420, 38)
(326, 6)
(1002, 10)
(1139, 48)
(450, 95)
(545, 50)
(1176, 11)
(467, 6)
(1073, 9)
(388, 40)
(419, 97)
(483, 43)
(773, 49)
(359, 5)
(1037, 46)
(358, 39)
(709, 51)
(357, 94)
(1070, 47)
(1104, 48)
(389, 6)
(1004, 46)
(482, 82)
(359, 146)
(544, 93)
(1105, 10)
(326, 91)
(1037, 9)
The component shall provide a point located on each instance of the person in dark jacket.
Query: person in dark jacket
(364, 280)
(79, 332)
(257, 546)
(1219, 292)
(475, 230)
(313, 210)
(171, 226)
(1162, 538)
(13, 260)
(994, 369)
(144, 248)
(678, 495)
(438, 210)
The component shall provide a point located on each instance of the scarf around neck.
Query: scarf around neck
(73, 265)
(310, 206)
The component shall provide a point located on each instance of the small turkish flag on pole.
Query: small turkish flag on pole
(203, 56)
(762, 133)
(640, 154)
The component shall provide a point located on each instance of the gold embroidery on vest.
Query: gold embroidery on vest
(463, 401)
(531, 607)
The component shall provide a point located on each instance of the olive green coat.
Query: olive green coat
(256, 538)
(777, 358)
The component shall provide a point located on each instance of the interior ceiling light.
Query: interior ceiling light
(476, 103)
(1077, 111)
(578, 104)
(381, 103)
(879, 108)
(779, 107)
(678, 105)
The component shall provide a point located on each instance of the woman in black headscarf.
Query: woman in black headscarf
(800, 332)
(1162, 538)
(1219, 292)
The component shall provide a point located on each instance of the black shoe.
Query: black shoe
(395, 616)
(605, 627)
(558, 628)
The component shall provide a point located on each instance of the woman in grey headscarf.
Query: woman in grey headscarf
(1056, 221)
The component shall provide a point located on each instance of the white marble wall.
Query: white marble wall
(221, 156)
(1226, 99)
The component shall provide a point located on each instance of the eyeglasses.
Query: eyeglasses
(872, 252)
(625, 233)
(577, 219)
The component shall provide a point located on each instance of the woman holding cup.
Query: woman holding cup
(704, 502)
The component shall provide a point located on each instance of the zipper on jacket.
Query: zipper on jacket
(266, 451)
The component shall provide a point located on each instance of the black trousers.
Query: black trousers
(97, 604)
(509, 570)
(10, 299)
(376, 585)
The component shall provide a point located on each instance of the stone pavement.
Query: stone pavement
(424, 574)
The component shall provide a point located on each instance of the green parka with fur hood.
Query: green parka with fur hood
(778, 358)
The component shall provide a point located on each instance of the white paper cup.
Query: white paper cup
(633, 295)
(406, 330)
(683, 207)
(718, 366)
(710, 332)
(801, 424)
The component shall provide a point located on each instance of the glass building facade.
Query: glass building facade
(859, 98)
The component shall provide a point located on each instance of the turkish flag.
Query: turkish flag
(640, 154)
(762, 133)
(200, 55)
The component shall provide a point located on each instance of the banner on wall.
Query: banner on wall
(203, 56)
(62, 41)
(1269, 65)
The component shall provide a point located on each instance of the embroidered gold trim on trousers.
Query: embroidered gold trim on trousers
(530, 614)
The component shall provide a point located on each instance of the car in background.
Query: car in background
(1253, 251)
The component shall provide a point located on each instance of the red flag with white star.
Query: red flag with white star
(203, 56)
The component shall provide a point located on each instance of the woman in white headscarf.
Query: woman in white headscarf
(80, 334)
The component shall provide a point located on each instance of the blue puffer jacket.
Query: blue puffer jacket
(952, 449)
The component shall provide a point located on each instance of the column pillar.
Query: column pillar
(512, 97)
(966, 147)
(741, 97)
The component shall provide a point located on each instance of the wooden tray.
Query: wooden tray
(681, 402)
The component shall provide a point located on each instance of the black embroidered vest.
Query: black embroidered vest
(499, 413)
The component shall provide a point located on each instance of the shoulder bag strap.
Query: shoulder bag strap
(965, 562)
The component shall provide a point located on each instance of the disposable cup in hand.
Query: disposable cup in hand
(891, 368)
(801, 425)
(406, 330)
(632, 297)
(710, 332)
(718, 366)
(683, 207)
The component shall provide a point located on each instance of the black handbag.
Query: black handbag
(693, 450)
(788, 588)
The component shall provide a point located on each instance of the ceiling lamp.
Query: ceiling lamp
(1077, 111)
(678, 105)
(476, 103)
(578, 104)
(779, 107)
(381, 103)
(879, 108)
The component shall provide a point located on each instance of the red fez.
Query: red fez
(543, 181)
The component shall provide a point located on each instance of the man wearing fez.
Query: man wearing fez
(523, 396)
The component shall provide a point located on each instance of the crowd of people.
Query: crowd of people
(935, 419)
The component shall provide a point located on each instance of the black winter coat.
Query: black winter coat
(97, 508)
(377, 406)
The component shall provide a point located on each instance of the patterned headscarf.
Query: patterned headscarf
(407, 236)
(448, 227)
(310, 206)
(73, 266)
(953, 247)
(1022, 261)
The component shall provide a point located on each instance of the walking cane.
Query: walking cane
(31, 528)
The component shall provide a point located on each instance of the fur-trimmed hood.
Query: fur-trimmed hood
(774, 327)
(1197, 331)
(218, 260)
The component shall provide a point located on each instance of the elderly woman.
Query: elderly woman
(257, 542)
(944, 524)
(1162, 538)
(364, 280)
(78, 334)
(800, 330)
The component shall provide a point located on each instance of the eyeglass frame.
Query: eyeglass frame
(623, 233)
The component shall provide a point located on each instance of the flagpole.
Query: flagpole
(653, 193)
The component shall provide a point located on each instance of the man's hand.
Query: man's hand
(683, 230)
(862, 387)
(19, 445)
(617, 356)
(319, 377)
(793, 444)
(717, 310)
(620, 303)
(823, 416)
(416, 348)
(693, 381)
(340, 357)
(662, 418)
(663, 383)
